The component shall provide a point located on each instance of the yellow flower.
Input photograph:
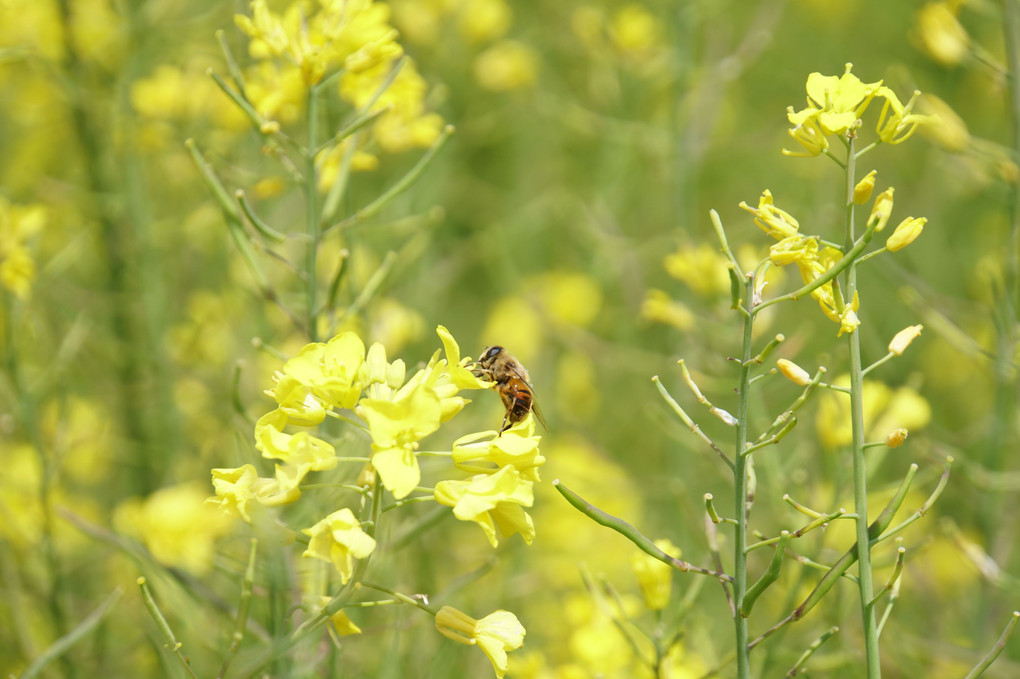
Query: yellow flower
(942, 126)
(884, 409)
(176, 525)
(406, 124)
(793, 372)
(235, 488)
(794, 249)
(507, 65)
(634, 30)
(941, 34)
(338, 539)
(903, 339)
(702, 268)
(321, 376)
(18, 225)
(654, 577)
(484, 20)
(485, 453)
(863, 189)
(496, 633)
(897, 123)
(492, 501)
(658, 306)
(906, 233)
(569, 296)
(456, 367)
(777, 223)
(396, 426)
(807, 131)
(840, 100)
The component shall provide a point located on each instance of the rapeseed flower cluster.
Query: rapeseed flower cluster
(342, 380)
(835, 105)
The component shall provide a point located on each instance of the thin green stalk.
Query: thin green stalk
(860, 470)
(740, 486)
(312, 216)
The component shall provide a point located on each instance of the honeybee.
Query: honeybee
(512, 384)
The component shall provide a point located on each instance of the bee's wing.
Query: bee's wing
(538, 415)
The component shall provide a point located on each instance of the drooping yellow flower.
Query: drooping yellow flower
(807, 131)
(496, 634)
(794, 249)
(881, 209)
(338, 539)
(897, 122)
(940, 33)
(777, 223)
(654, 577)
(486, 453)
(492, 501)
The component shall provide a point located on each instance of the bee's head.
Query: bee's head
(489, 355)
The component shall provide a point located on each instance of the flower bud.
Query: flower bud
(862, 192)
(896, 437)
(903, 339)
(793, 372)
(906, 233)
(881, 210)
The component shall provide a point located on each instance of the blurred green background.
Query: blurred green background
(566, 219)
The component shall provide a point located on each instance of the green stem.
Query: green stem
(860, 470)
(312, 216)
(740, 483)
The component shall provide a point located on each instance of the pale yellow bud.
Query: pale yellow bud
(903, 339)
(793, 372)
(906, 233)
(882, 208)
(896, 437)
(862, 192)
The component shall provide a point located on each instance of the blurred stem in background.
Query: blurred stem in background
(133, 298)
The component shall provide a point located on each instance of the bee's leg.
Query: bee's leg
(506, 425)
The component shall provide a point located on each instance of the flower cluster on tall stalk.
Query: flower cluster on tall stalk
(831, 125)
(339, 381)
(324, 488)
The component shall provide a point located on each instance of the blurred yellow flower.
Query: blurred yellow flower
(507, 65)
(492, 501)
(571, 297)
(484, 20)
(885, 409)
(659, 307)
(406, 124)
(654, 577)
(513, 322)
(339, 540)
(940, 33)
(634, 30)
(702, 268)
(496, 633)
(176, 525)
(19, 224)
(942, 126)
